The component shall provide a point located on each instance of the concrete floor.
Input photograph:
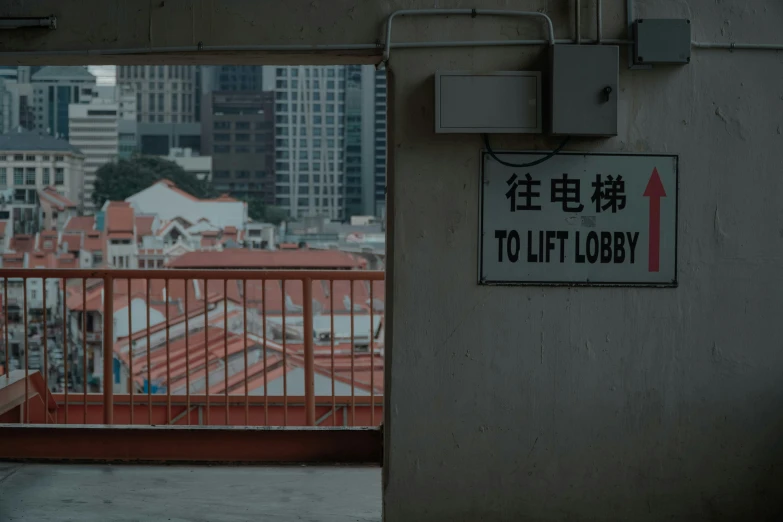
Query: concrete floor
(87, 493)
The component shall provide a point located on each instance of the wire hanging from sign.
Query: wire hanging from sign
(522, 165)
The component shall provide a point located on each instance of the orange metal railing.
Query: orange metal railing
(159, 366)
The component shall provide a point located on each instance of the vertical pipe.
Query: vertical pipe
(331, 340)
(7, 351)
(309, 356)
(187, 352)
(285, 365)
(84, 346)
(225, 348)
(599, 17)
(578, 21)
(108, 350)
(206, 348)
(353, 364)
(149, 359)
(26, 418)
(372, 356)
(168, 354)
(65, 345)
(45, 354)
(244, 319)
(131, 381)
(263, 352)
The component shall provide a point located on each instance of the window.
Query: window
(242, 149)
(304, 178)
(330, 143)
(29, 176)
(33, 294)
(282, 84)
(18, 176)
(303, 142)
(243, 137)
(242, 125)
(46, 177)
(221, 125)
(174, 101)
(260, 137)
(316, 154)
(222, 137)
(317, 120)
(294, 84)
(59, 176)
(222, 174)
(302, 154)
(316, 142)
(329, 107)
(330, 131)
(243, 174)
(316, 96)
(294, 73)
(330, 73)
(152, 102)
(330, 120)
(280, 95)
(317, 107)
(260, 174)
(304, 191)
(30, 157)
(329, 96)
(18, 157)
(302, 202)
(330, 84)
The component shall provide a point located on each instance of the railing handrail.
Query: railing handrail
(216, 274)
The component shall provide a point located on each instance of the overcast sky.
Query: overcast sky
(106, 74)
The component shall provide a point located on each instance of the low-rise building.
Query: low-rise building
(192, 163)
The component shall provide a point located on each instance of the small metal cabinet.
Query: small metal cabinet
(583, 90)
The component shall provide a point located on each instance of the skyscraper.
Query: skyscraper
(309, 132)
(238, 132)
(380, 146)
(165, 93)
(359, 137)
(232, 78)
(54, 89)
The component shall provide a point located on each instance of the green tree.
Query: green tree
(257, 210)
(125, 177)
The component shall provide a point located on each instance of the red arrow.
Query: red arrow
(655, 192)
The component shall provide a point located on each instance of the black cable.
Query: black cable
(522, 165)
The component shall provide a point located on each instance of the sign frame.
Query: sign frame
(533, 155)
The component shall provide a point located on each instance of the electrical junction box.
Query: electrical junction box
(484, 103)
(661, 40)
(584, 88)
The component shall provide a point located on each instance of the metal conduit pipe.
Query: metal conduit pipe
(471, 12)
(599, 20)
(738, 46)
(578, 22)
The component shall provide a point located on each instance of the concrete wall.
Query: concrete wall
(553, 403)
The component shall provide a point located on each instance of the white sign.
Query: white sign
(579, 219)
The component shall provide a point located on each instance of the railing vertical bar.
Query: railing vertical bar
(108, 350)
(26, 418)
(149, 358)
(225, 348)
(372, 356)
(244, 319)
(132, 379)
(206, 347)
(331, 339)
(84, 345)
(168, 354)
(7, 349)
(309, 356)
(65, 344)
(353, 364)
(285, 359)
(45, 353)
(263, 351)
(187, 352)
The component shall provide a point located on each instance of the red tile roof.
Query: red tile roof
(22, 243)
(73, 240)
(144, 225)
(48, 237)
(94, 242)
(80, 223)
(120, 220)
(13, 260)
(313, 259)
(42, 260)
(66, 261)
(55, 199)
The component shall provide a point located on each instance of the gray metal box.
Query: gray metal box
(495, 102)
(584, 89)
(661, 40)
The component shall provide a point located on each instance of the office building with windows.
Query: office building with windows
(380, 144)
(238, 132)
(164, 93)
(231, 78)
(29, 162)
(309, 139)
(54, 89)
(94, 130)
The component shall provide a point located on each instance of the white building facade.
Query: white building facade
(94, 130)
(309, 133)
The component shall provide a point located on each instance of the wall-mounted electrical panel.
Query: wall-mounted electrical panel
(494, 102)
(584, 88)
(662, 41)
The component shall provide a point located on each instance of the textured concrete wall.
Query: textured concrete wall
(553, 403)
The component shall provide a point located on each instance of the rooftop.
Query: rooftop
(57, 72)
(33, 141)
